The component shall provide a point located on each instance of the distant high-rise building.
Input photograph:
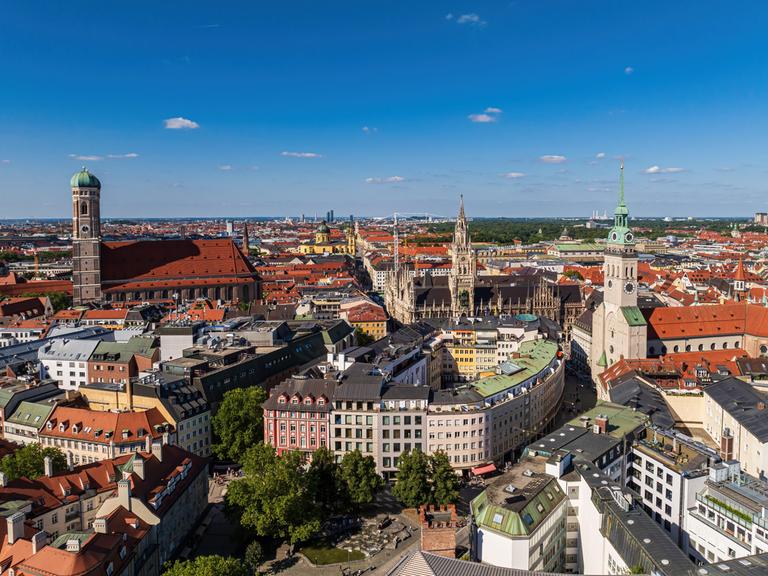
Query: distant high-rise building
(761, 218)
(230, 228)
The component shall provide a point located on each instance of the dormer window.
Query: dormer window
(281, 400)
(320, 402)
(308, 401)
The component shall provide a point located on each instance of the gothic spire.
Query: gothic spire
(621, 185)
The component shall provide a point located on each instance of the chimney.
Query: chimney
(38, 541)
(138, 466)
(157, 451)
(124, 494)
(761, 406)
(129, 393)
(15, 523)
(726, 445)
(100, 525)
(70, 464)
(48, 466)
(148, 443)
(73, 545)
(3, 479)
(166, 437)
(601, 422)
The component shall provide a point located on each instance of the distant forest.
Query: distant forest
(529, 231)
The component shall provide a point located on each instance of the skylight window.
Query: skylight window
(497, 518)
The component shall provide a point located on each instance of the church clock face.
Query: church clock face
(629, 287)
(84, 229)
(628, 237)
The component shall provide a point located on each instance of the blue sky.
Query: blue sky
(370, 107)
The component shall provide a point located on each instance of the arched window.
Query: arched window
(83, 208)
(725, 345)
(676, 348)
(712, 346)
(701, 347)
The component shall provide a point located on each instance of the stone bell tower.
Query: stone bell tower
(86, 238)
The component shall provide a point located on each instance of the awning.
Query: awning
(484, 469)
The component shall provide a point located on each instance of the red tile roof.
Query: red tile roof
(714, 320)
(148, 261)
(138, 425)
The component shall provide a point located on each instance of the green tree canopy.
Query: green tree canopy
(254, 556)
(273, 498)
(207, 566)
(445, 483)
(412, 485)
(362, 338)
(238, 424)
(324, 481)
(28, 461)
(361, 480)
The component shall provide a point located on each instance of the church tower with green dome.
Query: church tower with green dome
(619, 329)
(86, 238)
(620, 268)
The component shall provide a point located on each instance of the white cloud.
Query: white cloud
(600, 155)
(482, 118)
(387, 180)
(5, 161)
(492, 110)
(128, 155)
(225, 167)
(180, 123)
(472, 19)
(659, 170)
(513, 175)
(628, 70)
(552, 159)
(301, 154)
(370, 129)
(87, 158)
(449, 16)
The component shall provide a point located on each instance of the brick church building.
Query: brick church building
(149, 269)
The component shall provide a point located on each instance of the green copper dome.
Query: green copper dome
(323, 228)
(84, 179)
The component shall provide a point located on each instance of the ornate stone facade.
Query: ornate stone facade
(464, 293)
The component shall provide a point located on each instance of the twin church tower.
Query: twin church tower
(86, 238)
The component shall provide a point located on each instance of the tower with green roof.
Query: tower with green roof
(86, 238)
(620, 267)
(618, 326)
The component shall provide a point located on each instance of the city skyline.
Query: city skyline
(284, 108)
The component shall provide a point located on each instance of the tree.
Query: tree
(238, 422)
(273, 498)
(362, 338)
(361, 480)
(324, 481)
(254, 556)
(206, 566)
(412, 486)
(445, 483)
(59, 300)
(28, 461)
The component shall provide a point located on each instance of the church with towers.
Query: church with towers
(147, 270)
(409, 298)
(619, 328)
